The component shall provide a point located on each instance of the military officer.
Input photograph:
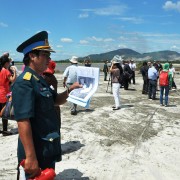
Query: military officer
(33, 101)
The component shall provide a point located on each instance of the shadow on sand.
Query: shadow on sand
(171, 105)
(71, 146)
(71, 174)
(85, 110)
(131, 89)
(127, 106)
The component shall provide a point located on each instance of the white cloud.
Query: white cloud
(111, 10)
(3, 24)
(169, 5)
(93, 38)
(67, 40)
(175, 48)
(132, 19)
(122, 46)
(83, 42)
(84, 15)
(108, 40)
(59, 46)
(107, 11)
(159, 35)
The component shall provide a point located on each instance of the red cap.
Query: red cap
(51, 67)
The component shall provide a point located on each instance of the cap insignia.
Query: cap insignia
(46, 43)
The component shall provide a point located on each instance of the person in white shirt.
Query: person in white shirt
(152, 76)
(132, 65)
(172, 70)
(70, 76)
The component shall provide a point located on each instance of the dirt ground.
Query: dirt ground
(120, 144)
(139, 141)
(138, 115)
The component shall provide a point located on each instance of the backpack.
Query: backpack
(164, 78)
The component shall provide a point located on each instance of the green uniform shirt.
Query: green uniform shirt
(33, 99)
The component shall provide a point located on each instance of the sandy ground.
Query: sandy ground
(141, 141)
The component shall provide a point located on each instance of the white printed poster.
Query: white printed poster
(89, 78)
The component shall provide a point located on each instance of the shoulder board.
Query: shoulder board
(27, 76)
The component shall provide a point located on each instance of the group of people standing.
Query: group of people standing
(151, 73)
(121, 75)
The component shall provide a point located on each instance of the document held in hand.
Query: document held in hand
(89, 78)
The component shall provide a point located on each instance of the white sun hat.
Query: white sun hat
(74, 60)
(116, 59)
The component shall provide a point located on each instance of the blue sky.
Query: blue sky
(83, 27)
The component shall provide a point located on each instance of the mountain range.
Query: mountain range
(125, 53)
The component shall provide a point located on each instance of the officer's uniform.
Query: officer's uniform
(34, 100)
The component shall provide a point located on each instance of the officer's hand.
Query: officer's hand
(75, 86)
(31, 167)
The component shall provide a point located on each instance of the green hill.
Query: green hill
(126, 53)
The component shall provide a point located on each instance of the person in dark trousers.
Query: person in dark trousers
(105, 70)
(159, 68)
(127, 73)
(144, 72)
(33, 101)
(152, 76)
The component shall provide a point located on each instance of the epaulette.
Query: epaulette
(27, 76)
